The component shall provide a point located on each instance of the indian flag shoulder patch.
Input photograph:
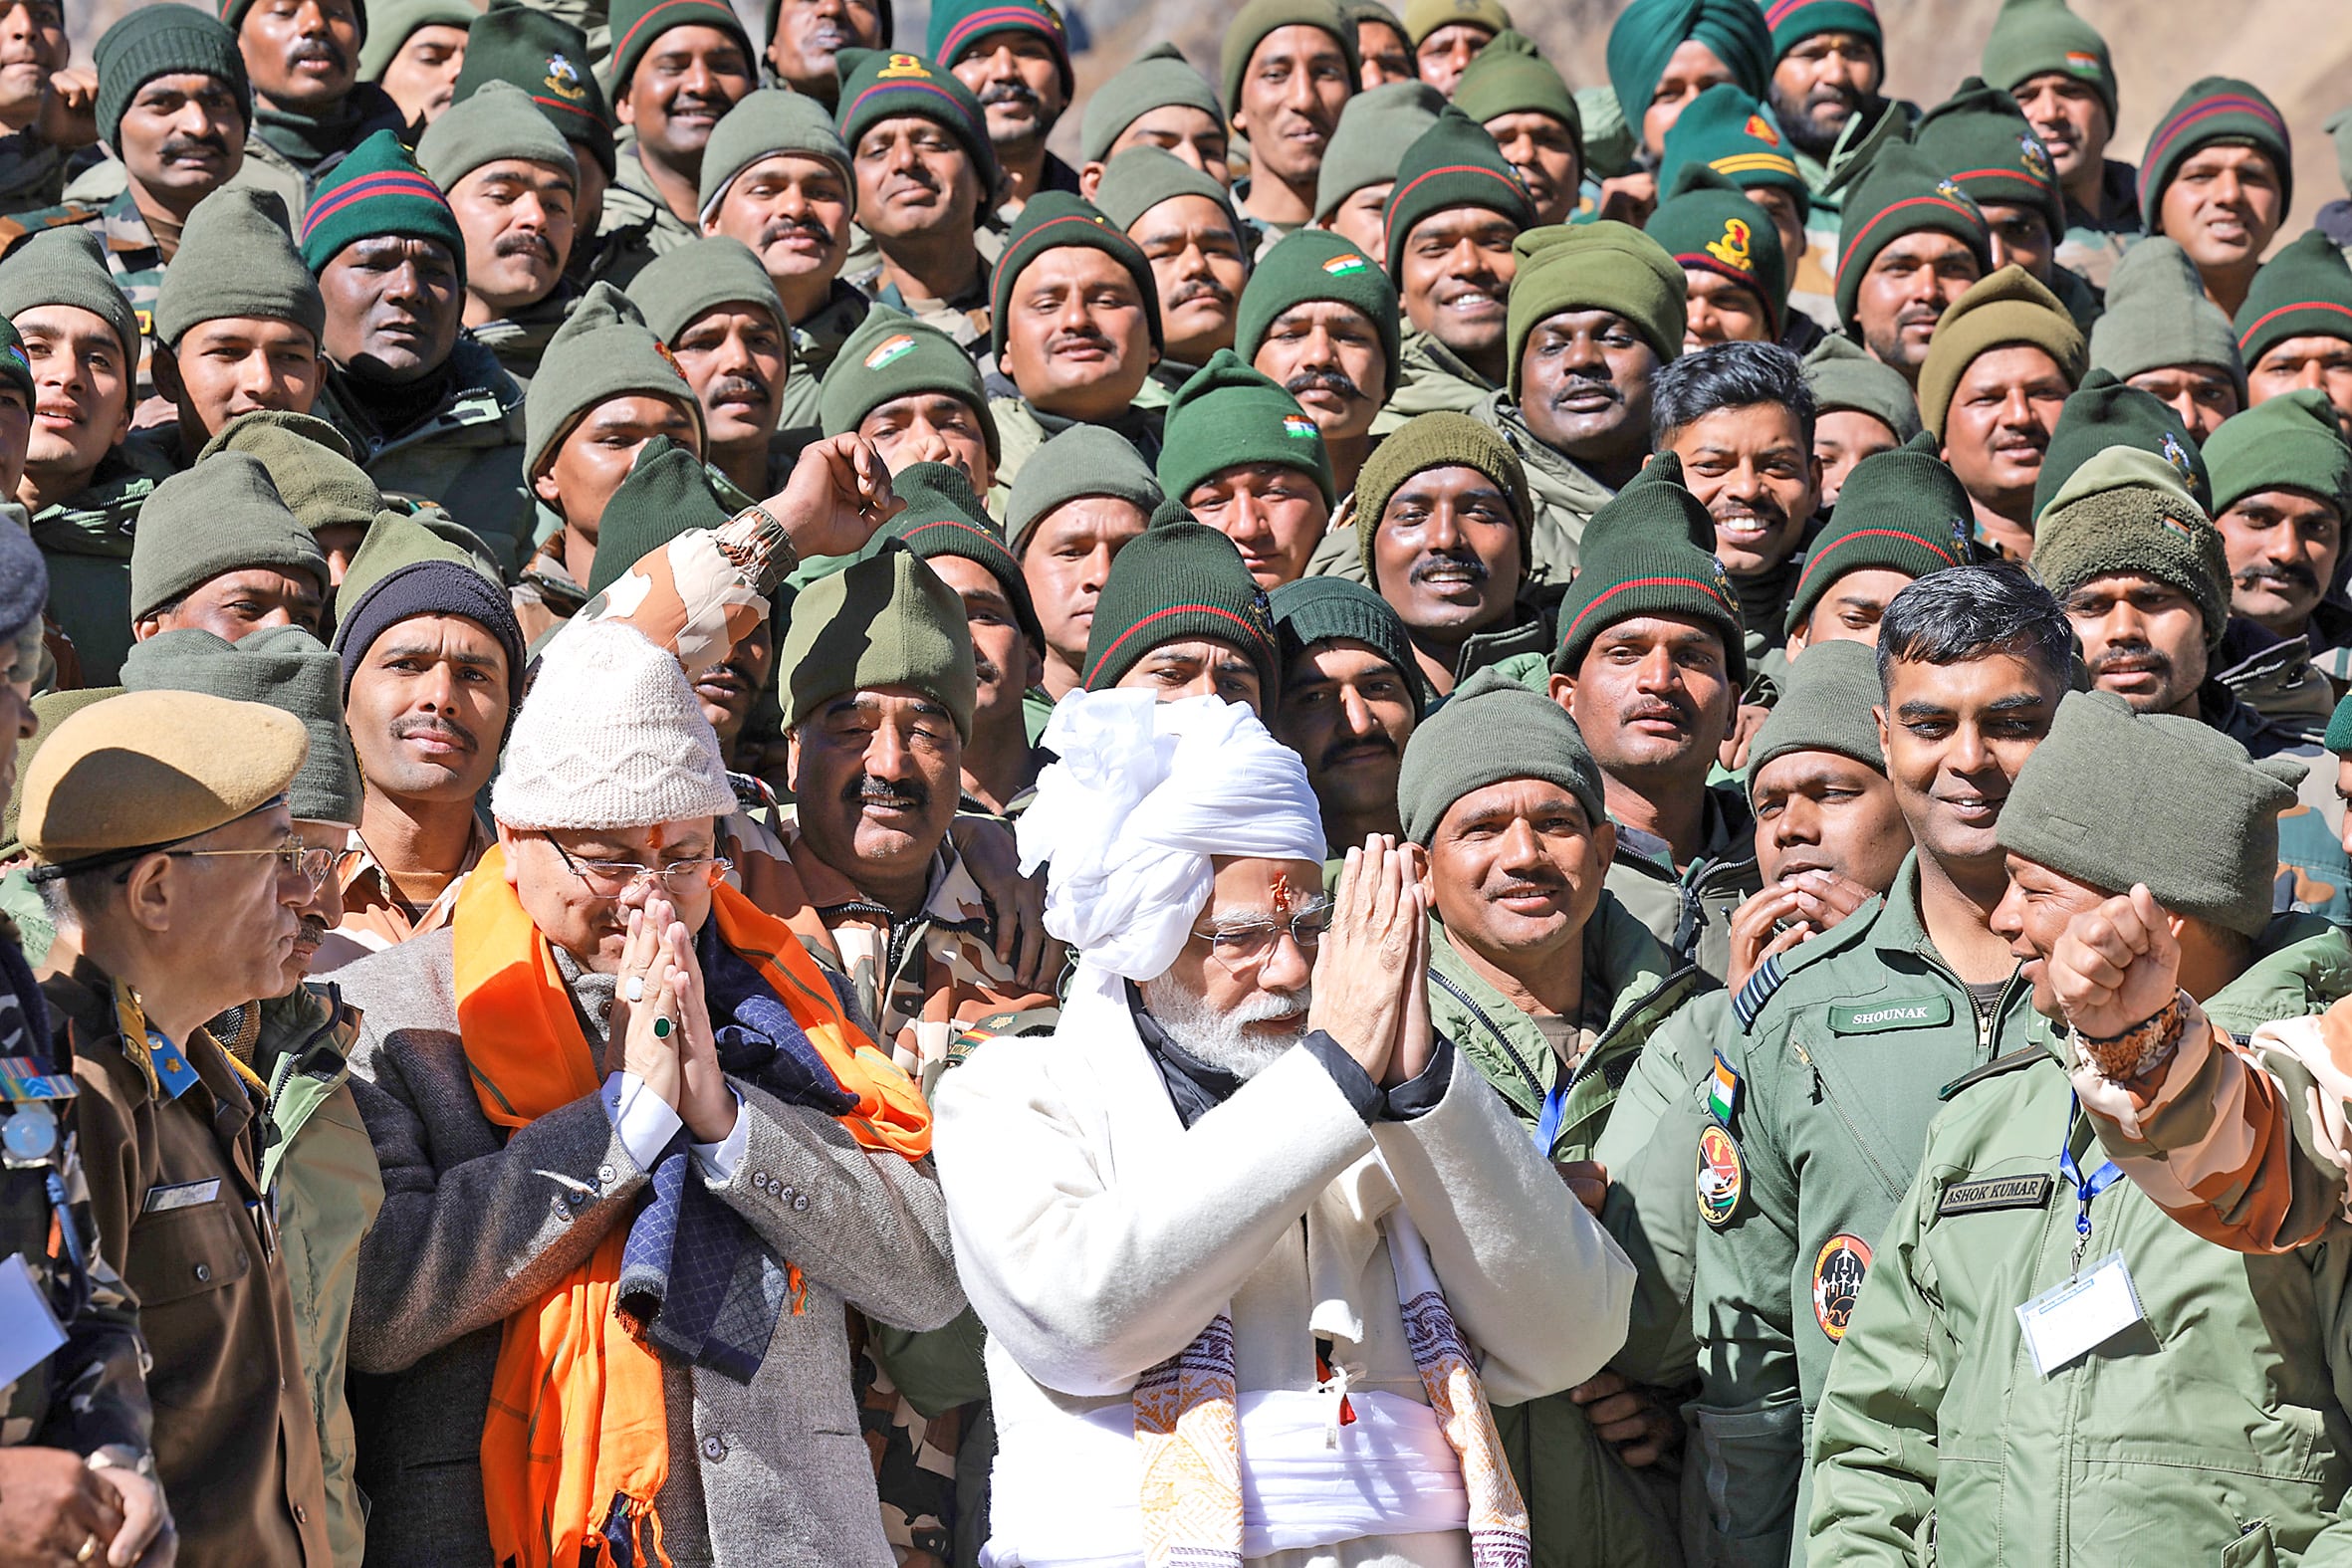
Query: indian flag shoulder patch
(1344, 266)
(1298, 427)
(887, 349)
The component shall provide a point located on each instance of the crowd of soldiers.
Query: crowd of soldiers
(612, 621)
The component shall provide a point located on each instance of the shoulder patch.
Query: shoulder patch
(1722, 1092)
(1990, 1194)
(2007, 1061)
(1722, 1178)
(1838, 1271)
(1904, 1013)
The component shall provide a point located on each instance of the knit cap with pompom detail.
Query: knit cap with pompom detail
(610, 737)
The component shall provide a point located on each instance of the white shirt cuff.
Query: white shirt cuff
(716, 1160)
(643, 1118)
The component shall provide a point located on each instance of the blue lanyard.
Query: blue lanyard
(2101, 1179)
(1555, 1106)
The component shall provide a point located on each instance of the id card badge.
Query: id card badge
(28, 1330)
(2081, 1316)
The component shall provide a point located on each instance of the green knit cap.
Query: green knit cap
(635, 23)
(1228, 416)
(2033, 37)
(397, 21)
(1452, 164)
(603, 351)
(1707, 225)
(1648, 32)
(2158, 316)
(1826, 698)
(1084, 460)
(1603, 266)
(2126, 511)
(1441, 439)
(1902, 193)
(2339, 728)
(1424, 17)
(547, 58)
(1795, 21)
(1900, 510)
(497, 120)
(2290, 442)
(2104, 414)
(1729, 131)
(2008, 307)
(1647, 552)
(893, 356)
(1493, 730)
(886, 619)
(151, 41)
(310, 466)
(236, 259)
(1141, 178)
(957, 25)
(1376, 130)
(1511, 76)
(2216, 111)
(1308, 265)
(945, 515)
(287, 669)
(1158, 78)
(1320, 610)
(878, 85)
(1055, 218)
(2111, 798)
(680, 284)
(759, 127)
(1860, 384)
(2303, 291)
(377, 188)
(221, 516)
(394, 542)
(1980, 136)
(1254, 20)
(1175, 583)
(66, 266)
(667, 492)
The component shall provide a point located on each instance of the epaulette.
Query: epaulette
(2008, 1061)
(1757, 990)
(1779, 968)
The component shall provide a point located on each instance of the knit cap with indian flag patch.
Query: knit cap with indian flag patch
(1312, 264)
(893, 356)
(1229, 416)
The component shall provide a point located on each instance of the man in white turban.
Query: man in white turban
(1254, 1247)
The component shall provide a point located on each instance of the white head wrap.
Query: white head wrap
(1144, 794)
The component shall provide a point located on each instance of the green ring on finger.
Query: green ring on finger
(661, 1029)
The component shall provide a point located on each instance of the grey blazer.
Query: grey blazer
(476, 1224)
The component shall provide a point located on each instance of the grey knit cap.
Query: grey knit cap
(1492, 729)
(237, 258)
(497, 120)
(1374, 130)
(679, 284)
(2158, 316)
(224, 515)
(2126, 511)
(283, 666)
(66, 266)
(1084, 460)
(1824, 706)
(761, 124)
(2112, 798)
(1156, 78)
(1862, 385)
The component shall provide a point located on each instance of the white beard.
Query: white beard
(1217, 1036)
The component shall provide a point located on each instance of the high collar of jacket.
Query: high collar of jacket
(1194, 1086)
(311, 139)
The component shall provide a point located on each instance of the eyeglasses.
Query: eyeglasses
(613, 878)
(1249, 945)
(313, 863)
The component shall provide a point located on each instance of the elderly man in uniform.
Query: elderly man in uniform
(1266, 1142)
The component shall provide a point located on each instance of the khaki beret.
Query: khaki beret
(149, 769)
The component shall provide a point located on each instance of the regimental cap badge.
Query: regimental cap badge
(1733, 248)
(563, 78)
(2178, 456)
(1763, 131)
(904, 66)
(1262, 613)
(2037, 158)
(1948, 188)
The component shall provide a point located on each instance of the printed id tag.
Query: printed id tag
(2081, 1316)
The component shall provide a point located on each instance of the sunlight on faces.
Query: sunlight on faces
(1067, 559)
(428, 708)
(1347, 712)
(424, 72)
(794, 212)
(681, 89)
(1275, 515)
(1584, 386)
(1078, 341)
(182, 136)
(1197, 667)
(1328, 356)
(1719, 310)
(1843, 437)
(1749, 468)
(1955, 736)
(223, 926)
(2142, 639)
(810, 33)
(728, 691)
(1653, 693)
(2032, 915)
(33, 46)
(1820, 83)
(1184, 132)
(2320, 363)
(1241, 1017)
(736, 358)
(1447, 52)
(567, 911)
(1383, 52)
(1293, 90)
(1198, 268)
(236, 604)
(1447, 555)
(1456, 277)
(595, 454)
(1516, 869)
(2202, 394)
(931, 427)
(2344, 797)
(302, 54)
(2284, 546)
(1017, 79)
(1542, 149)
(1850, 609)
(2223, 206)
(2069, 118)
(320, 910)
(1825, 811)
(1361, 218)
(1904, 292)
(878, 774)
(2020, 237)
(1003, 656)
(1690, 70)
(234, 366)
(516, 216)
(82, 386)
(1998, 427)
(394, 306)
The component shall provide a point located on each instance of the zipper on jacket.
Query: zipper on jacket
(1854, 1130)
(1516, 1060)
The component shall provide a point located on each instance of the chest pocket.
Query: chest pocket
(181, 1263)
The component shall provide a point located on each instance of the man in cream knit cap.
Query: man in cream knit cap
(564, 1137)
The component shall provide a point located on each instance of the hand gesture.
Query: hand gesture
(1416, 1041)
(1628, 1416)
(1365, 972)
(838, 495)
(147, 1537)
(1786, 912)
(68, 110)
(2117, 966)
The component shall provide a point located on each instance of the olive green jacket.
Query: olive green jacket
(1585, 1506)
(1430, 378)
(86, 544)
(2214, 1431)
(1691, 910)
(1847, 1041)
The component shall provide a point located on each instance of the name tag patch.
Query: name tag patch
(1992, 1193)
(180, 1195)
(1913, 1013)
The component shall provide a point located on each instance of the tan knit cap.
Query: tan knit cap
(2006, 307)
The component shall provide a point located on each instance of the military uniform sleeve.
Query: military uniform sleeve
(100, 1394)
(1749, 1420)
(1874, 1434)
(1649, 1146)
(698, 594)
(2247, 1145)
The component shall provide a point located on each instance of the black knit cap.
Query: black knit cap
(667, 492)
(2105, 413)
(433, 587)
(945, 515)
(1649, 551)
(1900, 510)
(1317, 609)
(153, 41)
(1055, 218)
(547, 58)
(1179, 580)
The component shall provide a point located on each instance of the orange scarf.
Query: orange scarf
(576, 1415)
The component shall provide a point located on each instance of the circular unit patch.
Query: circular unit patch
(1720, 1177)
(1838, 1282)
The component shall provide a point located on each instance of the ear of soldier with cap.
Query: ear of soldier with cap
(217, 548)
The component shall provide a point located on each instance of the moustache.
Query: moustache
(1198, 289)
(2293, 574)
(1375, 744)
(743, 385)
(1833, 96)
(1580, 382)
(324, 48)
(865, 790)
(984, 669)
(1764, 509)
(1674, 708)
(311, 930)
(1007, 93)
(175, 148)
(2139, 654)
(1076, 338)
(525, 244)
(434, 724)
(786, 228)
(1337, 383)
(1453, 564)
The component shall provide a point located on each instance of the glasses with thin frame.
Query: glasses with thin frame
(1246, 946)
(314, 863)
(614, 878)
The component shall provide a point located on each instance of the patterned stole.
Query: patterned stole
(1188, 1431)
